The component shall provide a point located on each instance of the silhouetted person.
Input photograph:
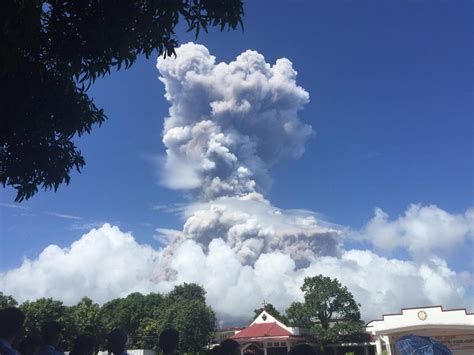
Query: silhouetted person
(50, 334)
(230, 347)
(169, 341)
(30, 345)
(11, 325)
(302, 349)
(116, 341)
(83, 345)
(216, 350)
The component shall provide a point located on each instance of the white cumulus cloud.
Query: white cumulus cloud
(423, 230)
(103, 264)
(107, 263)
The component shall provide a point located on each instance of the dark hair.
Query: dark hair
(117, 339)
(169, 340)
(29, 345)
(11, 322)
(229, 346)
(83, 345)
(50, 332)
(302, 349)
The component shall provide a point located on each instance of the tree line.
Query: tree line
(328, 309)
(142, 317)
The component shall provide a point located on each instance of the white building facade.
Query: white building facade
(453, 328)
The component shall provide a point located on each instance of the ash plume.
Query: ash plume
(228, 124)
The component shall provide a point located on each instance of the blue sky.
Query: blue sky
(390, 87)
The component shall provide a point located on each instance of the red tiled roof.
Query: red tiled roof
(262, 330)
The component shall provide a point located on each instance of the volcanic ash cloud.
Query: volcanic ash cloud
(227, 125)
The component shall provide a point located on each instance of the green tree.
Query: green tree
(53, 50)
(124, 313)
(132, 314)
(44, 310)
(298, 315)
(329, 308)
(187, 291)
(195, 322)
(184, 309)
(270, 308)
(148, 333)
(7, 301)
(85, 319)
(85, 315)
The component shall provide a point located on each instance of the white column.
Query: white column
(288, 347)
(387, 345)
(378, 345)
(366, 350)
(264, 348)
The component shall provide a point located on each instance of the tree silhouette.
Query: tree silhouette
(329, 309)
(51, 51)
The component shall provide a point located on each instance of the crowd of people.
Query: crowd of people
(11, 327)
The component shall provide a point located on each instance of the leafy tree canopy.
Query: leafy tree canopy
(329, 309)
(45, 310)
(194, 320)
(185, 305)
(188, 292)
(85, 319)
(7, 301)
(298, 315)
(142, 317)
(128, 313)
(52, 51)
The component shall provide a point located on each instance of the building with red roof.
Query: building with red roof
(266, 335)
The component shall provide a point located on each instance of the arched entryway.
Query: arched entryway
(252, 349)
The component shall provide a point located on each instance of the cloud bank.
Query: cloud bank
(107, 263)
(228, 124)
(422, 230)
(104, 263)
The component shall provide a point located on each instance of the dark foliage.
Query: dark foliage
(52, 51)
(142, 317)
(329, 309)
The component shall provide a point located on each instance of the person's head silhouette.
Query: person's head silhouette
(51, 333)
(11, 323)
(29, 345)
(83, 345)
(302, 349)
(116, 341)
(169, 340)
(230, 347)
